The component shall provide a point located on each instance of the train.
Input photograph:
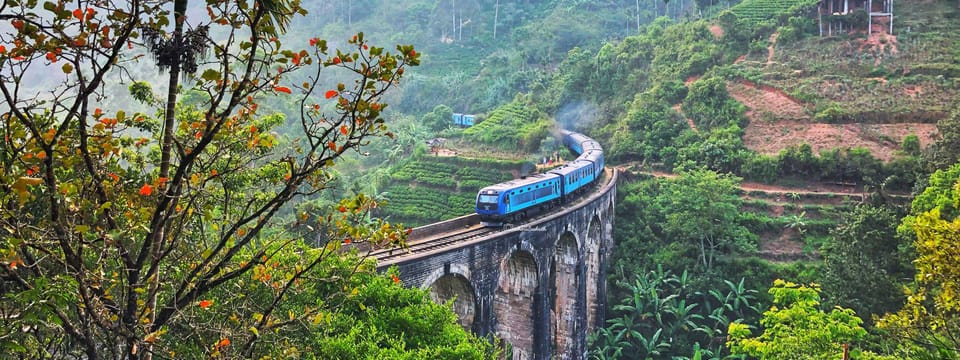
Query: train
(515, 200)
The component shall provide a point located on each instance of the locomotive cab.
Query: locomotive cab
(488, 200)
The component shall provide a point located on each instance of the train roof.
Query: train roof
(591, 145)
(516, 183)
(591, 155)
(570, 167)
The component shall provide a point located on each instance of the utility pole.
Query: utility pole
(638, 16)
(496, 14)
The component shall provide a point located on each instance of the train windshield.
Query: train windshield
(490, 199)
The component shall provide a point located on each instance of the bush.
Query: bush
(911, 145)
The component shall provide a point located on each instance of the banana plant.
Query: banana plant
(653, 346)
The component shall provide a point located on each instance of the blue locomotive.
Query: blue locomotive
(516, 199)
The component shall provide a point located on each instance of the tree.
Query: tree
(943, 153)
(92, 234)
(440, 118)
(928, 321)
(796, 328)
(865, 266)
(703, 208)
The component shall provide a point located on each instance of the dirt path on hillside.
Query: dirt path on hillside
(811, 188)
(679, 110)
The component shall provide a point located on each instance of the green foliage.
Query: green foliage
(927, 322)
(514, 126)
(946, 151)
(721, 150)
(710, 107)
(796, 328)
(687, 223)
(648, 132)
(426, 189)
(664, 315)
(911, 145)
(684, 49)
(940, 193)
(866, 262)
(381, 319)
(440, 118)
(754, 12)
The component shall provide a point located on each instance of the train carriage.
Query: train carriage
(516, 199)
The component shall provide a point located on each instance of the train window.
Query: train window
(492, 199)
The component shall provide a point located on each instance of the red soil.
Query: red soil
(717, 31)
(777, 121)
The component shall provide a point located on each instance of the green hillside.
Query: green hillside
(757, 11)
(428, 189)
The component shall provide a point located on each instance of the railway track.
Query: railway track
(433, 243)
(451, 239)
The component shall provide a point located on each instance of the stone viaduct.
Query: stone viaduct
(538, 286)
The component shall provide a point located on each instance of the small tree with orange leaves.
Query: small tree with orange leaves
(121, 234)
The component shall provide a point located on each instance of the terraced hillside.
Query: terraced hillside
(429, 189)
(854, 89)
(514, 126)
(756, 11)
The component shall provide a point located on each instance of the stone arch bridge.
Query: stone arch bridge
(538, 286)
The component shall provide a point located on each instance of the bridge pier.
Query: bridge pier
(539, 287)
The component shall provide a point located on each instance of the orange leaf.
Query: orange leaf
(344, 130)
(203, 304)
(213, 172)
(347, 241)
(3, 49)
(332, 145)
(336, 60)
(314, 41)
(343, 208)
(146, 190)
(18, 24)
(52, 57)
(395, 279)
(78, 14)
(296, 59)
(331, 93)
(282, 89)
(224, 342)
(113, 176)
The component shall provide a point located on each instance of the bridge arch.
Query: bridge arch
(452, 282)
(514, 301)
(565, 280)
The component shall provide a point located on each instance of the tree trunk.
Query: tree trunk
(496, 14)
